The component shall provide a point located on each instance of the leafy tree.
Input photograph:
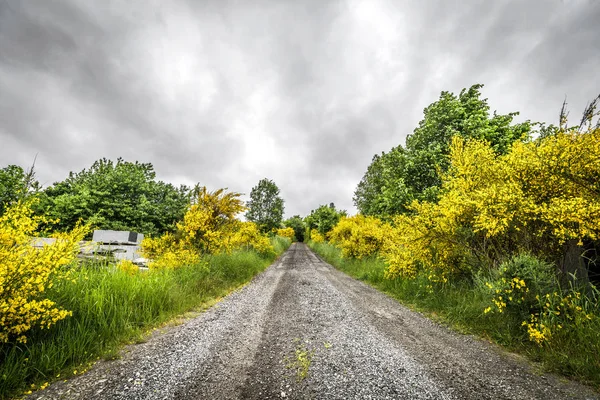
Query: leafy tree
(360, 236)
(210, 219)
(15, 184)
(265, 207)
(324, 218)
(395, 179)
(297, 224)
(367, 196)
(117, 195)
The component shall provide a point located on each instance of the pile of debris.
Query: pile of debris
(117, 245)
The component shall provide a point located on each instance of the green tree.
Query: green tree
(367, 194)
(395, 179)
(324, 218)
(117, 195)
(15, 184)
(297, 224)
(265, 207)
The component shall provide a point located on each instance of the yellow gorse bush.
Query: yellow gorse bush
(286, 232)
(316, 236)
(537, 331)
(154, 247)
(535, 198)
(26, 272)
(209, 226)
(527, 287)
(166, 252)
(539, 191)
(427, 239)
(174, 258)
(560, 177)
(247, 235)
(211, 219)
(360, 236)
(127, 266)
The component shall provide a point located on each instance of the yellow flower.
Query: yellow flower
(316, 237)
(286, 232)
(26, 272)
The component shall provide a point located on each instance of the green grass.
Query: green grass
(573, 351)
(111, 307)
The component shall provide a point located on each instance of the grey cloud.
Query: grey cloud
(88, 65)
(228, 92)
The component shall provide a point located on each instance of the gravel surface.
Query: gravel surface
(303, 330)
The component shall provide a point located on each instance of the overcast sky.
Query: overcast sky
(303, 92)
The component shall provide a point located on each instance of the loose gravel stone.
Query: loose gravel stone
(303, 330)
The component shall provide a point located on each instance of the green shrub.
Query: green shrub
(520, 282)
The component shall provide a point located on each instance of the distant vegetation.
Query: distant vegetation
(493, 225)
(297, 224)
(324, 218)
(265, 207)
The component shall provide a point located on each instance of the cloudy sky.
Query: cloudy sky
(303, 92)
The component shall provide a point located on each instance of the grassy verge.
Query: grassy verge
(573, 351)
(112, 307)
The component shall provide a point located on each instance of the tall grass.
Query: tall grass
(574, 351)
(111, 307)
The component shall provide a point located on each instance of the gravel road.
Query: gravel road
(303, 330)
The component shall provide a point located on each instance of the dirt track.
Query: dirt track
(303, 330)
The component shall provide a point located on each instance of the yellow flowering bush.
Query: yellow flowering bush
(316, 236)
(519, 280)
(359, 236)
(247, 234)
(127, 266)
(539, 195)
(535, 198)
(513, 292)
(433, 238)
(208, 226)
(26, 272)
(210, 219)
(168, 252)
(286, 232)
(175, 258)
(558, 312)
(154, 247)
